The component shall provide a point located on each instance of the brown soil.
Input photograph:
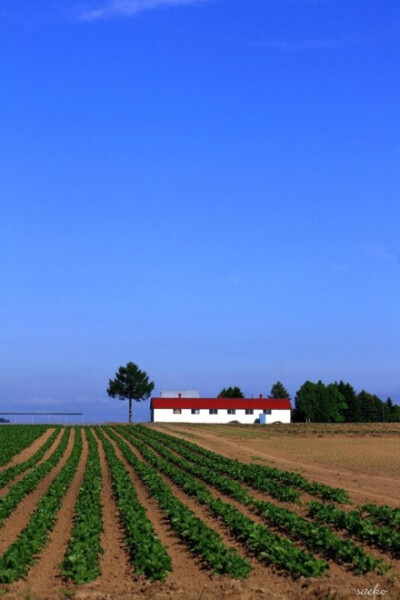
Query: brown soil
(28, 452)
(190, 580)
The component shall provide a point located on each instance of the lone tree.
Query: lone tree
(231, 392)
(130, 383)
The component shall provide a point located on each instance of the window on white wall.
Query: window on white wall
(267, 411)
(231, 411)
(177, 411)
(213, 411)
(195, 411)
(249, 411)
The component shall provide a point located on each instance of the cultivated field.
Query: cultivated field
(167, 512)
(363, 458)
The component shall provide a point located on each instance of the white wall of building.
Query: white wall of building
(167, 415)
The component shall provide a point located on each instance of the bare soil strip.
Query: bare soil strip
(44, 577)
(363, 488)
(19, 518)
(29, 451)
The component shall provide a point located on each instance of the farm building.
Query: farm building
(180, 407)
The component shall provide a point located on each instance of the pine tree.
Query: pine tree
(352, 414)
(371, 407)
(130, 383)
(278, 391)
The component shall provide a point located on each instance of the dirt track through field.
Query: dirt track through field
(362, 488)
(19, 518)
(28, 452)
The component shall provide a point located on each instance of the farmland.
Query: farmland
(185, 512)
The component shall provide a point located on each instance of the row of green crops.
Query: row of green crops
(15, 562)
(81, 562)
(363, 529)
(252, 476)
(260, 476)
(25, 486)
(147, 553)
(382, 514)
(11, 472)
(200, 539)
(266, 546)
(14, 438)
(318, 538)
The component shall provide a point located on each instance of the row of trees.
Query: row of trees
(333, 403)
(339, 402)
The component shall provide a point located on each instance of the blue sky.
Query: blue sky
(208, 188)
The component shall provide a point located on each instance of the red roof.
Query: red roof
(239, 403)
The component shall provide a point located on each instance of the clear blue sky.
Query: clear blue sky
(210, 189)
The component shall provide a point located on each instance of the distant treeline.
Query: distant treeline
(333, 403)
(339, 403)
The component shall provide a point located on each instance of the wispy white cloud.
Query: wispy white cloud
(130, 8)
